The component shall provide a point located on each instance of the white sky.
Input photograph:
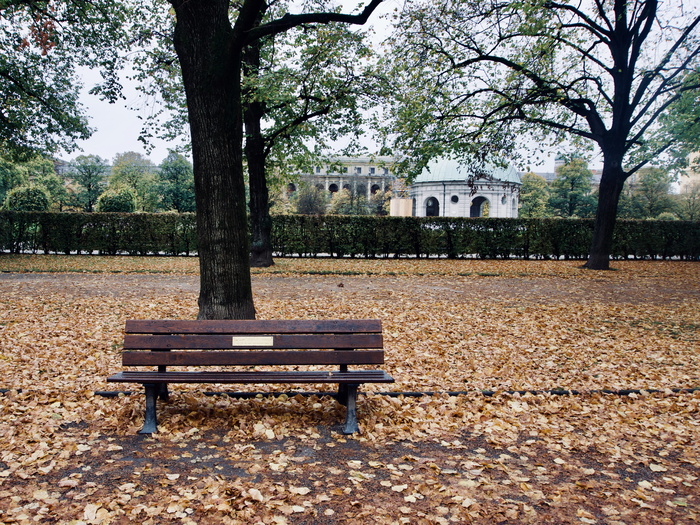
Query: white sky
(117, 127)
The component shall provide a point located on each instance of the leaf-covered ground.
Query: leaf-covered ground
(68, 455)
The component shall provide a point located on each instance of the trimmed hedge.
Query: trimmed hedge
(102, 233)
(349, 236)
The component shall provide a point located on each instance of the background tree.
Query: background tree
(534, 195)
(379, 203)
(42, 172)
(117, 199)
(309, 200)
(29, 197)
(176, 183)
(11, 176)
(136, 171)
(571, 193)
(650, 193)
(688, 203)
(302, 89)
(349, 202)
(89, 172)
(488, 76)
(42, 44)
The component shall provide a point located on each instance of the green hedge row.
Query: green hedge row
(102, 233)
(353, 236)
(485, 238)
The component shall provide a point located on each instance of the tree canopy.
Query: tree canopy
(42, 45)
(489, 76)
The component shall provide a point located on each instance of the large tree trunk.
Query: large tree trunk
(211, 75)
(260, 220)
(611, 184)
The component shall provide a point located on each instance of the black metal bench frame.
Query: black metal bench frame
(251, 343)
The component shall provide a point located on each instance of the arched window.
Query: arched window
(291, 188)
(333, 188)
(375, 188)
(432, 207)
(479, 207)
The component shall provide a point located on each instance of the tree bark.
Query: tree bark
(211, 74)
(260, 220)
(611, 183)
(210, 52)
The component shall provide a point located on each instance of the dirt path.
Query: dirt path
(525, 290)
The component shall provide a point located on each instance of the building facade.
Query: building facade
(361, 175)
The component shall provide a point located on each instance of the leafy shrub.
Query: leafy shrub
(117, 200)
(29, 197)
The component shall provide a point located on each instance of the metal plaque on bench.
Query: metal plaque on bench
(249, 341)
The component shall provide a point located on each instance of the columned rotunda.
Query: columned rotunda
(448, 188)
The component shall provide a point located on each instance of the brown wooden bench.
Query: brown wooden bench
(297, 343)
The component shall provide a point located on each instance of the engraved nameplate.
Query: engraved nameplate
(253, 341)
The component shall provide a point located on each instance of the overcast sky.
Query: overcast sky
(117, 127)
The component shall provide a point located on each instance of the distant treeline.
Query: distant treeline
(349, 236)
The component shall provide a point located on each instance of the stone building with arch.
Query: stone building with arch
(361, 175)
(448, 188)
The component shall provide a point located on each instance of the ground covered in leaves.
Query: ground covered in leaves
(452, 328)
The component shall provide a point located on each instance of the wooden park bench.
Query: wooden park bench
(249, 344)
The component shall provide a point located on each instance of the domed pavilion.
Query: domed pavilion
(450, 188)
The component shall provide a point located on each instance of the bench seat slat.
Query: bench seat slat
(251, 358)
(284, 341)
(336, 326)
(354, 376)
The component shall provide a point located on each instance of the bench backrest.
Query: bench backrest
(253, 342)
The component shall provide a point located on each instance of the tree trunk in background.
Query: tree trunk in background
(260, 220)
(211, 76)
(611, 184)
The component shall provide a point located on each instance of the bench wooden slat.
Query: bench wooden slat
(350, 326)
(284, 341)
(354, 376)
(251, 358)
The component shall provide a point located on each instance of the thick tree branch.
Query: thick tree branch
(290, 21)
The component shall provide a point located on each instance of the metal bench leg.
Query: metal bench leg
(351, 414)
(163, 387)
(163, 393)
(150, 424)
(342, 397)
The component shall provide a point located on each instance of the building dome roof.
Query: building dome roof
(451, 170)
